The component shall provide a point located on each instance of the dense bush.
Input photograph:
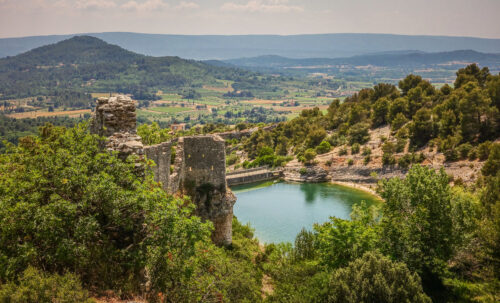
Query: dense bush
(37, 286)
(323, 147)
(66, 206)
(375, 278)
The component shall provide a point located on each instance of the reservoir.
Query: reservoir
(278, 211)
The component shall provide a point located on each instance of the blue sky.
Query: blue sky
(477, 18)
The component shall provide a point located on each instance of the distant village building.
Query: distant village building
(178, 127)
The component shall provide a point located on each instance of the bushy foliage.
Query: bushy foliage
(375, 278)
(417, 226)
(37, 286)
(68, 206)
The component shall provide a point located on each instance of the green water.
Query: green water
(278, 211)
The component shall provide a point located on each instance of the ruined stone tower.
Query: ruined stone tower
(199, 167)
(204, 180)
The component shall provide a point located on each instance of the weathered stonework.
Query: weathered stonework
(204, 180)
(160, 154)
(199, 168)
(114, 115)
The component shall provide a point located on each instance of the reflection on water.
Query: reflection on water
(279, 211)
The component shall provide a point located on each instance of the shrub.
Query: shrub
(405, 161)
(375, 278)
(388, 159)
(366, 151)
(483, 150)
(472, 155)
(350, 162)
(309, 155)
(367, 159)
(38, 286)
(463, 150)
(342, 151)
(303, 170)
(355, 148)
(232, 159)
(400, 145)
(323, 147)
(451, 154)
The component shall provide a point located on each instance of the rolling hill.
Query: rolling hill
(405, 59)
(88, 64)
(221, 47)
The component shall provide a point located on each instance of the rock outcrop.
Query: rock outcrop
(311, 174)
(199, 168)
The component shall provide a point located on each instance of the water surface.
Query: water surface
(278, 211)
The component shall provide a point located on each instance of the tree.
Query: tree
(472, 73)
(380, 110)
(341, 241)
(374, 278)
(474, 108)
(358, 133)
(422, 127)
(411, 81)
(309, 155)
(400, 105)
(417, 226)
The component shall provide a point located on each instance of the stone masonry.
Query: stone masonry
(204, 179)
(199, 168)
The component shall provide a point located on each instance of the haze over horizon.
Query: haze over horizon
(244, 17)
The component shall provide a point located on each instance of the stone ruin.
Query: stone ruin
(199, 168)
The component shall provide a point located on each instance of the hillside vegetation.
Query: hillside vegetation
(88, 64)
(77, 223)
(460, 122)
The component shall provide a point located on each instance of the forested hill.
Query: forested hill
(407, 59)
(88, 64)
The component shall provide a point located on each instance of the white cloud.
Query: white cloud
(187, 5)
(95, 4)
(148, 5)
(266, 6)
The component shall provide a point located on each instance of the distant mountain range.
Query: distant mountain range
(88, 64)
(410, 59)
(206, 47)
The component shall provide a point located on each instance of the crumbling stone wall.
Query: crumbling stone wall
(204, 180)
(160, 154)
(114, 115)
(199, 167)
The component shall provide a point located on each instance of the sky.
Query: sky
(476, 18)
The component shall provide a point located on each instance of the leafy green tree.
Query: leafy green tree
(472, 73)
(473, 108)
(384, 90)
(358, 133)
(341, 241)
(422, 127)
(400, 105)
(375, 278)
(417, 226)
(380, 111)
(398, 121)
(411, 81)
(493, 87)
(152, 133)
